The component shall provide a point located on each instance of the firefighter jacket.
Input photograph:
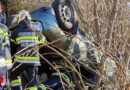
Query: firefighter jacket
(5, 53)
(25, 41)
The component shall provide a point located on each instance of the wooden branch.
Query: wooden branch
(97, 27)
(111, 23)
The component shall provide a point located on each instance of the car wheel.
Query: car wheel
(65, 14)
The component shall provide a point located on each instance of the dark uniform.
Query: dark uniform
(5, 56)
(61, 80)
(25, 39)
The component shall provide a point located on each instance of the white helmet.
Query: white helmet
(23, 15)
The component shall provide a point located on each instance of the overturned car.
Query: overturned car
(65, 39)
(61, 27)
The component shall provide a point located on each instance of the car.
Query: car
(67, 36)
(61, 27)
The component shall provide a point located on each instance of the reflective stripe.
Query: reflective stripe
(21, 34)
(1, 31)
(43, 39)
(2, 60)
(27, 44)
(27, 58)
(16, 81)
(8, 61)
(70, 82)
(2, 63)
(3, 44)
(26, 37)
(16, 84)
(12, 40)
(26, 41)
(43, 86)
(27, 61)
(5, 34)
(33, 88)
(61, 74)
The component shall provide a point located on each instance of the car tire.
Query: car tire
(65, 14)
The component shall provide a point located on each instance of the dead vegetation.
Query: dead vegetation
(107, 23)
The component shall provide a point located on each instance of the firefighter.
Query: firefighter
(24, 45)
(26, 58)
(5, 54)
(60, 79)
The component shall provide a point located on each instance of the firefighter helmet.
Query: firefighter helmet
(23, 15)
